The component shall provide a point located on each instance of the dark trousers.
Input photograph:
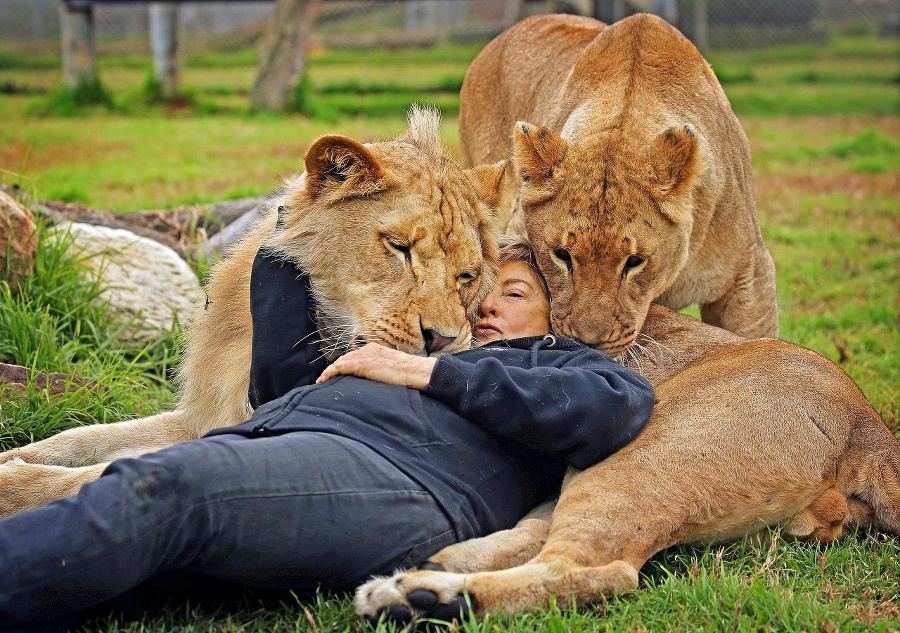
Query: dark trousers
(292, 511)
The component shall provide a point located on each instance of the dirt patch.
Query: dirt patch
(854, 185)
(15, 379)
(782, 177)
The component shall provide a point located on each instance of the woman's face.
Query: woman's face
(515, 308)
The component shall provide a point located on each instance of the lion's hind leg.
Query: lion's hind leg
(443, 595)
(866, 492)
(822, 520)
(871, 498)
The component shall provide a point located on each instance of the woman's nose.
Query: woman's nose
(488, 306)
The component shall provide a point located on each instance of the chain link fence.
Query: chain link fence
(712, 24)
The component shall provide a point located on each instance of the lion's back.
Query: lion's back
(511, 77)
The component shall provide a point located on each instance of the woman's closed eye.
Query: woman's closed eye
(517, 290)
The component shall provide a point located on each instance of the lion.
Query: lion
(634, 174)
(746, 435)
(400, 245)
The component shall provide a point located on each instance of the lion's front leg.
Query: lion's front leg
(26, 486)
(749, 307)
(34, 475)
(410, 596)
(500, 550)
(96, 443)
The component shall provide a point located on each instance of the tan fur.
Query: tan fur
(635, 174)
(746, 434)
(362, 207)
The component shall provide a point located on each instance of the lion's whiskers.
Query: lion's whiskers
(341, 336)
(304, 338)
(337, 336)
(631, 355)
(639, 352)
(660, 347)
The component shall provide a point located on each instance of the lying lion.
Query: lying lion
(638, 189)
(371, 221)
(635, 174)
(746, 434)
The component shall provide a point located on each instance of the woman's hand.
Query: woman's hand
(383, 364)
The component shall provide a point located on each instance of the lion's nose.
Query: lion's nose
(435, 341)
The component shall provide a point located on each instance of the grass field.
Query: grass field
(824, 127)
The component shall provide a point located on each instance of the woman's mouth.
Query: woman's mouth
(483, 327)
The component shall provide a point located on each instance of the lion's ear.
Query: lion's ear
(537, 152)
(674, 160)
(341, 167)
(495, 185)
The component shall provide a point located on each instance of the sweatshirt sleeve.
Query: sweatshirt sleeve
(286, 352)
(584, 410)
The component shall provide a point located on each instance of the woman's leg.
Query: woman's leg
(287, 511)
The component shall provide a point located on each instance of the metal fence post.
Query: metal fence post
(77, 38)
(164, 44)
(701, 25)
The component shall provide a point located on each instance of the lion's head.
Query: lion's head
(610, 219)
(399, 241)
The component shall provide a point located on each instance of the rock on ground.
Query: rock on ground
(184, 229)
(147, 284)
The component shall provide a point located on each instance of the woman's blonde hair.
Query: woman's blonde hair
(514, 248)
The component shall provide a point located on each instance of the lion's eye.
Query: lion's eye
(564, 256)
(467, 278)
(399, 248)
(632, 262)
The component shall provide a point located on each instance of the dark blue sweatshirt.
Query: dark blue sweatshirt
(490, 437)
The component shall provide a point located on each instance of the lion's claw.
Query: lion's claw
(457, 609)
(399, 613)
(423, 599)
(425, 606)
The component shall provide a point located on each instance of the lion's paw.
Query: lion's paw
(409, 596)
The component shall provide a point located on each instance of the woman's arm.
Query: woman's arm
(584, 409)
(383, 364)
(286, 351)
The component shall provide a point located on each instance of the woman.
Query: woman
(384, 460)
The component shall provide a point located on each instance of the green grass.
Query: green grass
(824, 126)
(188, 146)
(869, 152)
(846, 76)
(58, 322)
(745, 587)
(832, 230)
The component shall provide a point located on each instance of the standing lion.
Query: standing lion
(634, 173)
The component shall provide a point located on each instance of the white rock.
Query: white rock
(146, 282)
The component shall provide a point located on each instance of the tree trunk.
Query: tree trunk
(77, 36)
(164, 44)
(283, 53)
